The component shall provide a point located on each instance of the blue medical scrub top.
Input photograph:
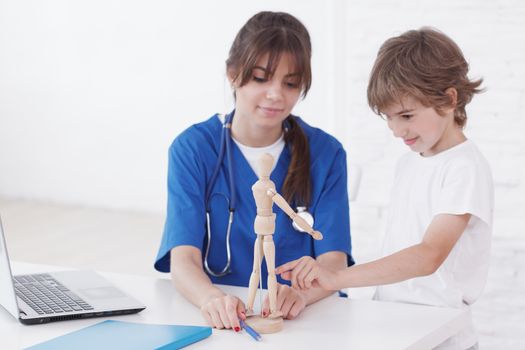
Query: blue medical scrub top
(192, 159)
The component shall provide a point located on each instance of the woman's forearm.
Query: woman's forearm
(189, 278)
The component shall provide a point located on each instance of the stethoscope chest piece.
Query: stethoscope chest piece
(302, 212)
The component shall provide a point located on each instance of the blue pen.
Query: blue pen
(250, 331)
(342, 294)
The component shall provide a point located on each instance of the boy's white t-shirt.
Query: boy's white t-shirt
(456, 181)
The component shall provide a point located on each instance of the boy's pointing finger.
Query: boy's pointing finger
(286, 267)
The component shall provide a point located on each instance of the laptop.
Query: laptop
(59, 296)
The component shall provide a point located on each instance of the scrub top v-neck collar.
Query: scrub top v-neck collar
(243, 172)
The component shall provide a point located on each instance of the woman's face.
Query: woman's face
(266, 100)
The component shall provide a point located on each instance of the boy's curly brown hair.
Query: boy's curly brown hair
(422, 64)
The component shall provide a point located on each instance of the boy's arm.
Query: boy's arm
(292, 301)
(418, 260)
(333, 261)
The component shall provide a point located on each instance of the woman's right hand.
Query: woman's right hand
(218, 309)
(224, 312)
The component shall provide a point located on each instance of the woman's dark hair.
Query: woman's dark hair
(276, 33)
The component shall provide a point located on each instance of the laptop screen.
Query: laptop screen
(7, 292)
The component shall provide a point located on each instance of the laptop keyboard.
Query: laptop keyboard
(46, 295)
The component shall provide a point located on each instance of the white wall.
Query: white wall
(92, 93)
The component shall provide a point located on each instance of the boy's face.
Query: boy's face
(422, 128)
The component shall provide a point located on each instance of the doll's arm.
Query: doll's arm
(281, 203)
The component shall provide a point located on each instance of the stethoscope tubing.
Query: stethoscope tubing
(228, 125)
(226, 268)
(225, 145)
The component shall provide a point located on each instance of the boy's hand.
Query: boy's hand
(306, 272)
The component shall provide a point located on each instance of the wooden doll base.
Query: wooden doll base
(265, 325)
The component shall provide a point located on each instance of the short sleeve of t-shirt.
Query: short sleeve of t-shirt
(466, 186)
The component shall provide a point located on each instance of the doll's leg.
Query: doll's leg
(269, 253)
(256, 273)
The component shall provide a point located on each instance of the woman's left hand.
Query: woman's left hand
(291, 302)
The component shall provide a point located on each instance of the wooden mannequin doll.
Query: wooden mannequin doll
(265, 195)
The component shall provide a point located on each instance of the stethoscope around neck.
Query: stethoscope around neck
(225, 149)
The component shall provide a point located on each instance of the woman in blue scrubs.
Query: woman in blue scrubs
(269, 70)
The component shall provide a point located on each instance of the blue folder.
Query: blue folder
(127, 335)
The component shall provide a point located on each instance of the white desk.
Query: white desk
(334, 322)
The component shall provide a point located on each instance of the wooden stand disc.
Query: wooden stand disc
(265, 325)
